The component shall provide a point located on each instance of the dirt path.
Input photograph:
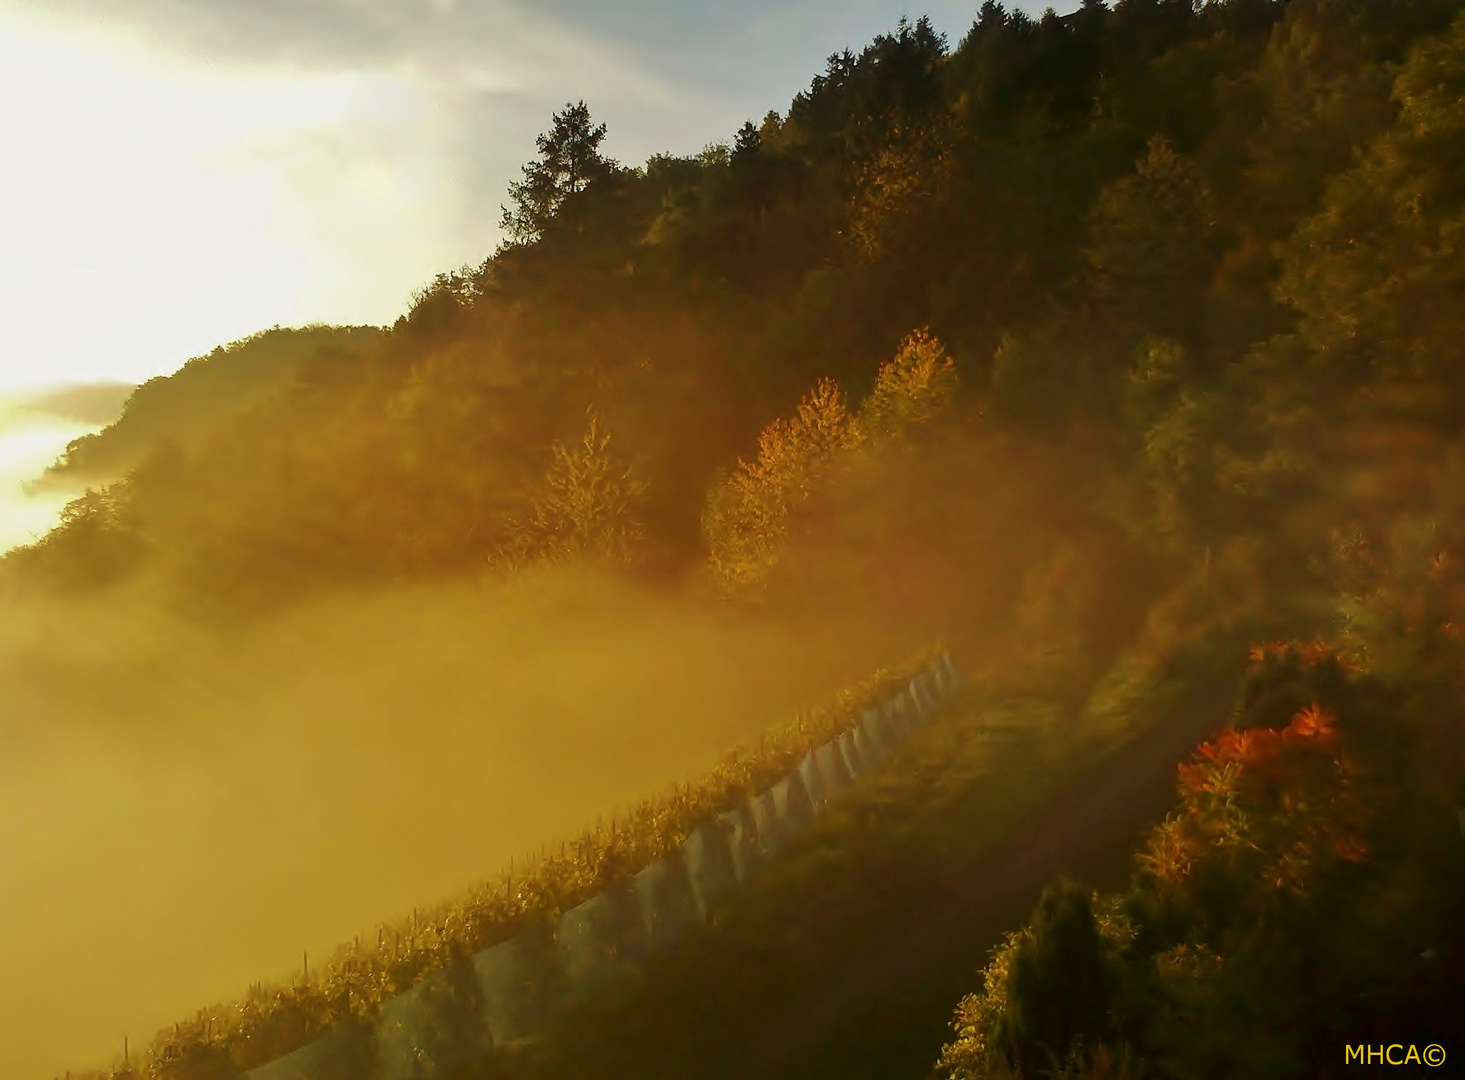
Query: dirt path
(885, 1015)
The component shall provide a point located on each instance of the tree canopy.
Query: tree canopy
(569, 162)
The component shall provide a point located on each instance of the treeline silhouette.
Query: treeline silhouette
(183, 407)
(1184, 242)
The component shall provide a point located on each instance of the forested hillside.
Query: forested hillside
(1295, 912)
(179, 409)
(1200, 254)
(1116, 341)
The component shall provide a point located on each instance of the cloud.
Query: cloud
(507, 42)
(488, 64)
(86, 403)
(187, 171)
(314, 33)
(534, 46)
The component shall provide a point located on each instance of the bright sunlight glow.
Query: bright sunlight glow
(152, 208)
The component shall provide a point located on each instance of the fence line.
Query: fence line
(501, 994)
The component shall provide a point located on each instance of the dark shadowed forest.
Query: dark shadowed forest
(1122, 351)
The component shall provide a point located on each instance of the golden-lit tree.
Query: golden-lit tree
(912, 389)
(1377, 276)
(586, 507)
(1272, 807)
(747, 515)
(902, 179)
(746, 521)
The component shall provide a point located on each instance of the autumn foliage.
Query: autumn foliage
(1304, 889)
(1275, 806)
(748, 515)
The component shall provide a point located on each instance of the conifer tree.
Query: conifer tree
(569, 162)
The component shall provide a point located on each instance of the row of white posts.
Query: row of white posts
(503, 993)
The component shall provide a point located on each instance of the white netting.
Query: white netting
(708, 857)
(600, 940)
(518, 981)
(664, 894)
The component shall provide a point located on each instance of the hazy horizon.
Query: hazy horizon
(32, 435)
(198, 171)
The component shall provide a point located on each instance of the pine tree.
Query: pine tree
(569, 162)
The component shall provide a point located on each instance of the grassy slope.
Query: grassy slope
(843, 959)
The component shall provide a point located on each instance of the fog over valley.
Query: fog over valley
(190, 812)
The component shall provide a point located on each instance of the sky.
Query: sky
(179, 173)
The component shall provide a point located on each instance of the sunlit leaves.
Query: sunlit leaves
(1015, 1025)
(1274, 806)
(898, 184)
(1378, 275)
(586, 507)
(912, 389)
(747, 518)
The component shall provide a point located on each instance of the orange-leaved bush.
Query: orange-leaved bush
(1274, 807)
